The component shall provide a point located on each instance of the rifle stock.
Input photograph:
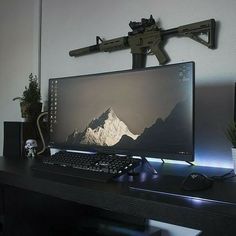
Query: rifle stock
(194, 31)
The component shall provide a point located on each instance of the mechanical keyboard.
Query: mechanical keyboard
(97, 167)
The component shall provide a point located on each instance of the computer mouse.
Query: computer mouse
(197, 182)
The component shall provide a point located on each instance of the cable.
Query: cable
(225, 176)
(40, 132)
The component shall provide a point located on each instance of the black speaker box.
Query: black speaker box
(16, 134)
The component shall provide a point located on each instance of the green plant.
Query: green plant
(231, 133)
(31, 94)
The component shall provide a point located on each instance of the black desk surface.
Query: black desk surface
(148, 196)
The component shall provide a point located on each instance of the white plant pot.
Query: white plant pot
(234, 158)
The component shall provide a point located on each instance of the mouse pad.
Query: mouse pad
(170, 186)
(165, 183)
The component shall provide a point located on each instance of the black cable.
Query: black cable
(225, 176)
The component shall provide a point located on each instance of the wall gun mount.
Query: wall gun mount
(147, 38)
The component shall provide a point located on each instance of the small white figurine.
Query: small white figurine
(30, 148)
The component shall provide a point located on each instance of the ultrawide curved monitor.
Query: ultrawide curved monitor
(146, 112)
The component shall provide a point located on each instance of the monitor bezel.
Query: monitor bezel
(108, 150)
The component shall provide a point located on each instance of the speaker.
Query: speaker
(15, 136)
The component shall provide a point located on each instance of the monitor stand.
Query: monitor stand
(144, 162)
(150, 167)
(190, 163)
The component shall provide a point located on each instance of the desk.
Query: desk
(213, 211)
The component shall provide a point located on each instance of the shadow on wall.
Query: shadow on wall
(214, 110)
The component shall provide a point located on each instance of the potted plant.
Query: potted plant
(30, 100)
(231, 135)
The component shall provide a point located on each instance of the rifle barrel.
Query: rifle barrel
(84, 51)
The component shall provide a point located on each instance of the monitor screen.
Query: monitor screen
(146, 112)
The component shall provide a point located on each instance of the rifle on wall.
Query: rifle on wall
(147, 38)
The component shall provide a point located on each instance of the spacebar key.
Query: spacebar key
(73, 172)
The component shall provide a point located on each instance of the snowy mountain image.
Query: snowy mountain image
(106, 130)
(170, 134)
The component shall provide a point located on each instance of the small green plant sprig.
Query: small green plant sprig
(31, 94)
(231, 133)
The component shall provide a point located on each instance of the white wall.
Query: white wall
(73, 24)
(18, 54)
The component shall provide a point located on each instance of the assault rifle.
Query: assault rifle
(147, 38)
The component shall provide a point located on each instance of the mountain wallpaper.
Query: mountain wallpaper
(172, 134)
(106, 130)
(148, 110)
